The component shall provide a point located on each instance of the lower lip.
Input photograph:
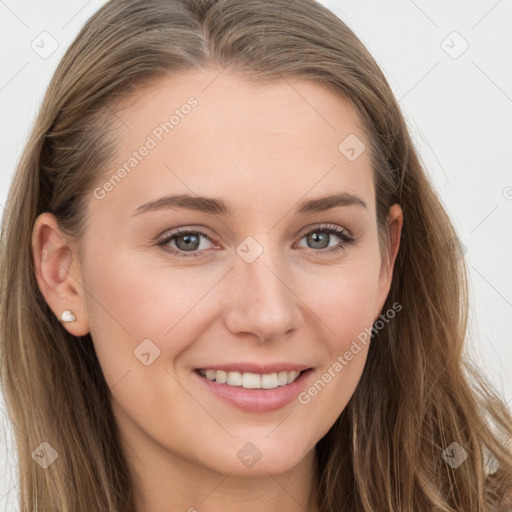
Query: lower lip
(257, 400)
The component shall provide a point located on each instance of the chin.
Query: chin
(261, 456)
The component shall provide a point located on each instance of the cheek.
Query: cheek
(137, 310)
(345, 306)
(130, 303)
(345, 301)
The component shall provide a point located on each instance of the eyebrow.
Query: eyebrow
(214, 206)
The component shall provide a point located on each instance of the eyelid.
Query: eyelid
(323, 226)
(183, 230)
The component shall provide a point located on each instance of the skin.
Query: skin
(262, 149)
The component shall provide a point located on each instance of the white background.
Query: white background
(458, 111)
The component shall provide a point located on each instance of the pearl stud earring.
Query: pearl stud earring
(68, 316)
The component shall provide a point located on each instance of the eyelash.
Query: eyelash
(329, 228)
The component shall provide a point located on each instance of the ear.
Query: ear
(58, 272)
(394, 227)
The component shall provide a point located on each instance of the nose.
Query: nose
(262, 301)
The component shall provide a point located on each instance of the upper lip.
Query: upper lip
(255, 367)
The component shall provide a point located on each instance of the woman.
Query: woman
(176, 332)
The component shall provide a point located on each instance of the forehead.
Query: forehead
(226, 100)
(215, 133)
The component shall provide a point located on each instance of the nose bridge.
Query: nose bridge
(264, 303)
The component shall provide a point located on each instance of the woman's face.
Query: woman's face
(254, 284)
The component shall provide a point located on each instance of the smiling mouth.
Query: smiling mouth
(249, 380)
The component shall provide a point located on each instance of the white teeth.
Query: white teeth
(292, 376)
(221, 377)
(251, 380)
(282, 378)
(234, 379)
(270, 381)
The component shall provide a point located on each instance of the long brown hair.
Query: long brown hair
(419, 392)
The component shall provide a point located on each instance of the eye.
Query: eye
(187, 242)
(321, 236)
